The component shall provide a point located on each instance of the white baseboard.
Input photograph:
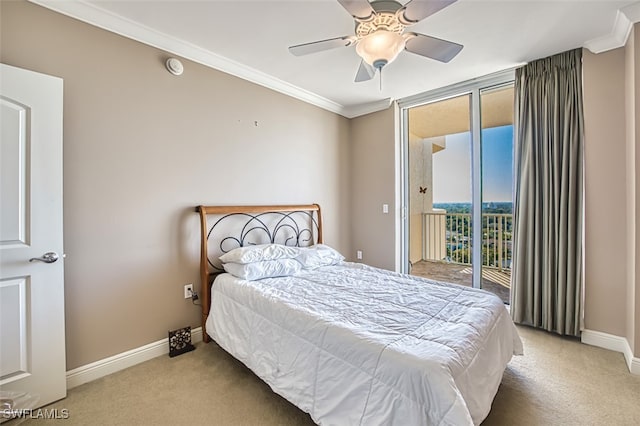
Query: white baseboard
(613, 343)
(118, 362)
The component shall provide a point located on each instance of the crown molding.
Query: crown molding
(101, 18)
(93, 15)
(619, 34)
(632, 12)
(368, 108)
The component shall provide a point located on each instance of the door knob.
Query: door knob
(48, 257)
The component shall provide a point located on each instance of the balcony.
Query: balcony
(447, 250)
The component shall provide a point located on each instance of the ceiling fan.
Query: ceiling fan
(380, 34)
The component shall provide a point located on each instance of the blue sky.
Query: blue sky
(452, 167)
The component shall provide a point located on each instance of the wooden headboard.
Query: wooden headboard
(224, 228)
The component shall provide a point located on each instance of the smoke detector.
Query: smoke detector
(174, 66)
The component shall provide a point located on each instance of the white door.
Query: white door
(32, 340)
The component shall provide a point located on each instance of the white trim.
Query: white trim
(399, 253)
(458, 88)
(619, 34)
(476, 186)
(106, 366)
(101, 18)
(605, 341)
(94, 15)
(616, 38)
(612, 343)
(368, 108)
(473, 87)
(632, 12)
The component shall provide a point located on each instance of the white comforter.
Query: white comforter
(351, 344)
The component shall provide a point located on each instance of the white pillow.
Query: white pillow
(258, 253)
(318, 255)
(264, 269)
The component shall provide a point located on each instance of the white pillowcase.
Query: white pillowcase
(258, 253)
(318, 255)
(263, 269)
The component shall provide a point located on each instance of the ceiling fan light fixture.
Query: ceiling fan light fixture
(380, 34)
(380, 47)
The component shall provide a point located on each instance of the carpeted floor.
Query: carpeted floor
(558, 382)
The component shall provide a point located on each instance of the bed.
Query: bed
(346, 342)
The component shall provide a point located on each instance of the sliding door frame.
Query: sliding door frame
(473, 88)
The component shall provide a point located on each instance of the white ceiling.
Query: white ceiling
(250, 39)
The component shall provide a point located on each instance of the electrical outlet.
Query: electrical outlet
(188, 289)
(359, 254)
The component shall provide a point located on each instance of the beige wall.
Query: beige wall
(141, 149)
(630, 187)
(636, 141)
(633, 137)
(373, 144)
(606, 201)
(612, 178)
(417, 201)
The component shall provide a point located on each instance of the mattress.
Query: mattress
(352, 344)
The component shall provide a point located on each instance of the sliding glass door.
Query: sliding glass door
(458, 173)
(496, 106)
(440, 190)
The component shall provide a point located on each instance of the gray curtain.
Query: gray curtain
(547, 241)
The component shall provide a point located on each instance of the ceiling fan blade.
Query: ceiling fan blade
(359, 9)
(365, 72)
(417, 10)
(319, 46)
(431, 47)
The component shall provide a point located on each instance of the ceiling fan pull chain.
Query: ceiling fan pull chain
(381, 79)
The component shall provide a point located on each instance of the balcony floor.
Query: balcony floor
(497, 282)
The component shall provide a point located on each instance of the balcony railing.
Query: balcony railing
(447, 237)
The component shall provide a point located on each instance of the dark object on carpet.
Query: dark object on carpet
(180, 341)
